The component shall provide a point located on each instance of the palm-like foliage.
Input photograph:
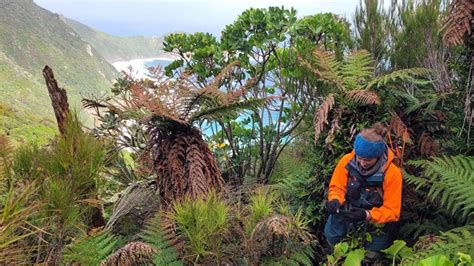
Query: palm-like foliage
(450, 181)
(354, 82)
(169, 110)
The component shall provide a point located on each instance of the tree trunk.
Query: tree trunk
(58, 99)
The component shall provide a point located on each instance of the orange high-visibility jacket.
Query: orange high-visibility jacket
(392, 189)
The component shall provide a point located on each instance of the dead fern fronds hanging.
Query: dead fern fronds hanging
(427, 145)
(458, 23)
(321, 116)
(399, 128)
(335, 126)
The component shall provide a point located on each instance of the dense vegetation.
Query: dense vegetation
(279, 99)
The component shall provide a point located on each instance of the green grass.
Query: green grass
(25, 127)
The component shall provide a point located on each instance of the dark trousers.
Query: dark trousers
(337, 227)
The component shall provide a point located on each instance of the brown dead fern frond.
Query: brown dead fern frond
(458, 23)
(308, 65)
(225, 72)
(335, 126)
(365, 97)
(242, 90)
(134, 253)
(427, 145)
(191, 98)
(270, 237)
(321, 116)
(399, 128)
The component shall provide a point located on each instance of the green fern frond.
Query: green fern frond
(229, 110)
(451, 181)
(196, 98)
(329, 68)
(418, 182)
(91, 250)
(449, 243)
(357, 69)
(409, 75)
(155, 237)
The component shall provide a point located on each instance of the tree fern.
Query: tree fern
(91, 250)
(289, 164)
(450, 181)
(155, 237)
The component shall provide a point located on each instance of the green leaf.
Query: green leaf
(395, 248)
(354, 258)
(340, 249)
(438, 260)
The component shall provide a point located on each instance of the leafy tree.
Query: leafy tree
(267, 43)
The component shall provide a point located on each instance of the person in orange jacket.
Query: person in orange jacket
(365, 186)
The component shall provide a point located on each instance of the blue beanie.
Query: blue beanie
(368, 149)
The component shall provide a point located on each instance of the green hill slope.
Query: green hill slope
(115, 48)
(31, 37)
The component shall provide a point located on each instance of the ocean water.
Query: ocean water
(159, 62)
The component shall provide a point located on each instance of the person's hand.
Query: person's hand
(355, 214)
(333, 206)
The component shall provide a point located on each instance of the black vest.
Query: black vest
(364, 192)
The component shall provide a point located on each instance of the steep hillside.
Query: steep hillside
(31, 37)
(115, 48)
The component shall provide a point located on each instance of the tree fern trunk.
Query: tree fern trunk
(183, 163)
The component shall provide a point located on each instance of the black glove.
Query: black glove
(355, 214)
(333, 206)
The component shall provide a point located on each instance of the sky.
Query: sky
(159, 17)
